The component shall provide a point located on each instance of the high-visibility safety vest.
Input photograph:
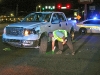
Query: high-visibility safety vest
(57, 37)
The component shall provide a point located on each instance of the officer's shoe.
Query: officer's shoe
(52, 52)
(73, 53)
(59, 52)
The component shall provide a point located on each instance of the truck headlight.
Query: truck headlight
(30, 31)
(26, 32)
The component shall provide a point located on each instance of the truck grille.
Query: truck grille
(14, 31)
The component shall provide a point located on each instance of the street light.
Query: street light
(38, 7)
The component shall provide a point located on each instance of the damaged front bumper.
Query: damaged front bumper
(22, 43)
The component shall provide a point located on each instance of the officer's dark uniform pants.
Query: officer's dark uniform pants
(68, 43)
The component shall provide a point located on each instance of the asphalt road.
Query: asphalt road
(86, 60)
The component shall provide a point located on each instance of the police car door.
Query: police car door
(55, 23)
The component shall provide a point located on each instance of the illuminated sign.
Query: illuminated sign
(63, 7)
(92, 7)
(78, 17)
(85, 1)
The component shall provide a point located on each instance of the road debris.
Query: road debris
(7, 49)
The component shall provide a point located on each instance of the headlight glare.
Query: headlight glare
(26, 32)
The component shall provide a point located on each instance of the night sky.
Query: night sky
(27, 4)
(22, 4)
(30, 5)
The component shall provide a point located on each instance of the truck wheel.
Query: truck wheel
(72, 34)
(43, 45)
(83, 31)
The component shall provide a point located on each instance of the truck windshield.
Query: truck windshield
(37, 17)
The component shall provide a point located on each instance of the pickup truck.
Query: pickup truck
(32, 31)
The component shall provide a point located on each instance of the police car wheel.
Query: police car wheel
(83, 31)
(43, 45)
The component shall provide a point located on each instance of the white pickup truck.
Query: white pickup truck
(32, 31)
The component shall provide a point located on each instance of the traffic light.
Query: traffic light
(48, 8)
(59, 6)
(68, 6)
(43, 8)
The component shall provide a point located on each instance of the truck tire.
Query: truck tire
(43, 45)
(82, 30)
(72, 34)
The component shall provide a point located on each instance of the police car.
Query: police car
(89, 26)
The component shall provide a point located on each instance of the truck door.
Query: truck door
(63, 21)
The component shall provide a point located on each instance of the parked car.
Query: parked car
(89, 26)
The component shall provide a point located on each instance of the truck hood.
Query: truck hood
(26, 24)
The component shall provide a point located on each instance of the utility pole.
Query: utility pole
(85, 11)
(16, 10)
(38, 8)
(85, 2)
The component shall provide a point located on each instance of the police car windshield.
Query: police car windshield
(37, 17)
(92, 22)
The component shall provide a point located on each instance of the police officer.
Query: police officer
(63, 38)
